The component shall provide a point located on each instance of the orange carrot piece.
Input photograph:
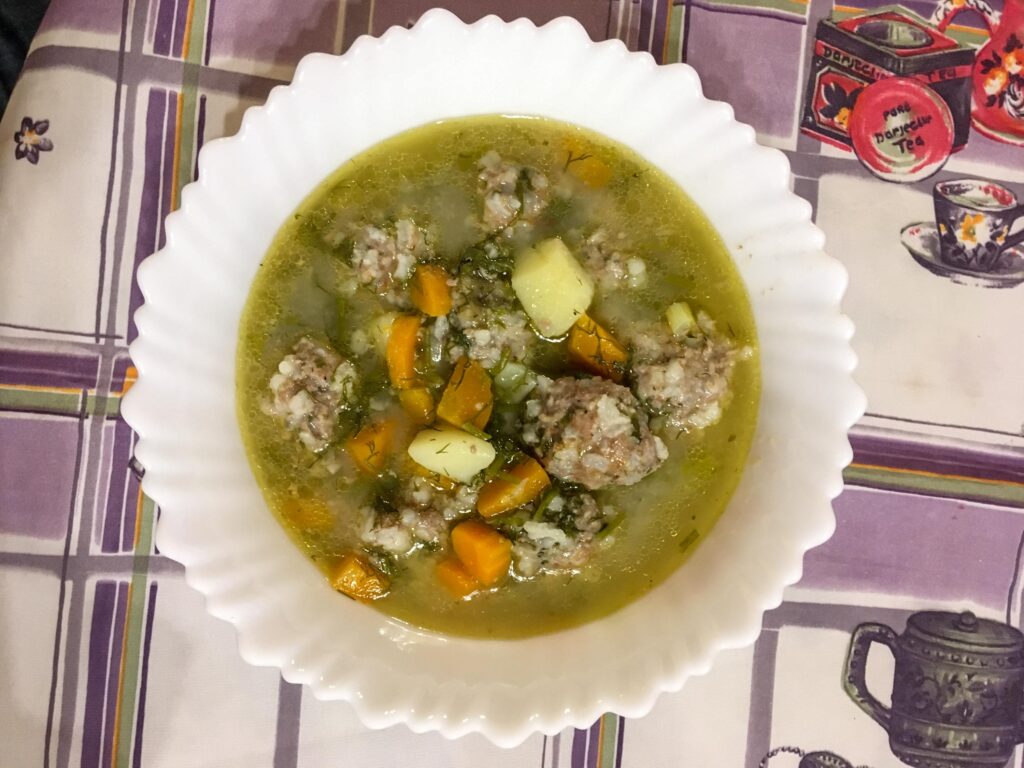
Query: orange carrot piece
(484, 552)
(455, 578)
(589, 169)
(356, 577)
(595, 349)
(514, 487)
(419, 404)
(370, 446)
(429, 291)
(403, 343)
(467, 399)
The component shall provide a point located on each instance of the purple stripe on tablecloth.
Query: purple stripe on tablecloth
(211, 7)
(200, 132)
(114, 673)
(579, 749)
(140, 717)
(119, 372)
(178, 39)
(164, 28)
(119, 513)
(660, 33)
(620, 742)
(593, 744)
(99, 643)
(942, 458)
(48, 369)
(647, 12)
(149, 213)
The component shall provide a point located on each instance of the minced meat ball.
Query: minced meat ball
(591, 431)
(384, 260)
(419, 514)
(685, 379)
(311, 385)
(564, 540)
(607, 262)
(510, 191)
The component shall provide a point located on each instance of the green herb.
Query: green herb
(444, 450)
(615, 523)
(687, 542)
(474, 431)
(575, 159)
(545, 500)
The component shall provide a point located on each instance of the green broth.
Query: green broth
(429, 172)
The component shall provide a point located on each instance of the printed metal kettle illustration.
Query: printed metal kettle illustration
(998, 75)
(956, 692)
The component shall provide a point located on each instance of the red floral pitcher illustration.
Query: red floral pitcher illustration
(998, 77)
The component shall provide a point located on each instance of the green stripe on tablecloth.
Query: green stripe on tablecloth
(609, 740)
(675, 31)
(57, 403)
(190, 96)
(133, 636)
(995, 492)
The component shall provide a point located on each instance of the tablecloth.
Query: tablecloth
(108, 658)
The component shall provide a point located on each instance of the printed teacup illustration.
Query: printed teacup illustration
(817, 759)
(972, 240)
(956, 691)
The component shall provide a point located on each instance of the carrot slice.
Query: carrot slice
(356, 577)
(484, 552)
(455, 578)
(467, 399)
(370, 446)
(595, 349)
(514, 487)
(585, 166)
(403, 343)
(429, 291)
(419, 404)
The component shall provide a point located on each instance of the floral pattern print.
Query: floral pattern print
(30, 141)
(1004, 77)
(838, 104)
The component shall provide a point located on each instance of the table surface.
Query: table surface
(108, 658)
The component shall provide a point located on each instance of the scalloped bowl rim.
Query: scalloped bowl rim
(252, 575)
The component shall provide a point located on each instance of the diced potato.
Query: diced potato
(380, 329)
(552, 286)
(452, 453)
(680, 318)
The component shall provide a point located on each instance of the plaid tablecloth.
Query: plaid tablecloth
(108, 658)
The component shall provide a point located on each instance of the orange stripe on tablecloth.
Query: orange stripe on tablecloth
(188, 29)
(939, 475)
(41, 388)
(177, 151)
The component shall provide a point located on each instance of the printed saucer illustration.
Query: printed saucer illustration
(922, 240)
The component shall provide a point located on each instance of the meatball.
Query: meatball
(486, 321)
(419, 515)
(603, 257)
(686, 380)
(383, 260)
(510, 191)
(311, 385)
(591, 431)
(565, 540)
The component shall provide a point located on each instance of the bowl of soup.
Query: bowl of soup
(491, 379)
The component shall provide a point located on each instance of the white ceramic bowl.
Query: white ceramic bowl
(214, 519)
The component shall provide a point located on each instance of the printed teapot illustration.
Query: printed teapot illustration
(997, 81)
(956, 693)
